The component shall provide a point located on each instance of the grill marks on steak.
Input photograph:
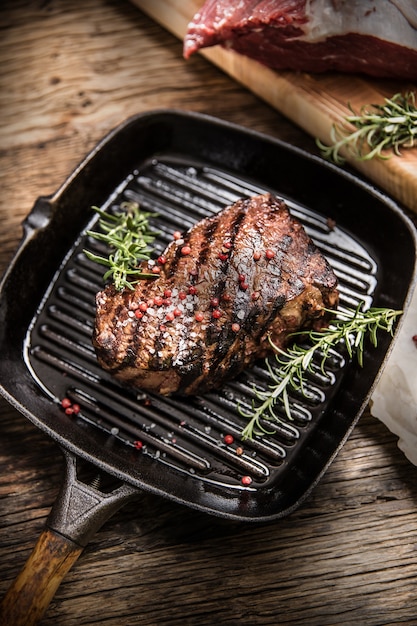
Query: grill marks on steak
(210, 312)
(360, 36)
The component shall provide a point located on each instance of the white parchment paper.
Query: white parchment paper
(394, 400)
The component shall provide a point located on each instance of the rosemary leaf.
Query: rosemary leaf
(351, 326)
(127, 234)
(377, 129)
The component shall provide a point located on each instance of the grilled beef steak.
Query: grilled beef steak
(229, 283)
(378, 38)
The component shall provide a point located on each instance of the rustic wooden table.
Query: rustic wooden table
(70, 72)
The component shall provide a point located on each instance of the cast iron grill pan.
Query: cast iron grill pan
(183, 167)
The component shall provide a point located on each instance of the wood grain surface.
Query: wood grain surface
(71, 71)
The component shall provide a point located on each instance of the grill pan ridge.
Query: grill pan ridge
(183, 167)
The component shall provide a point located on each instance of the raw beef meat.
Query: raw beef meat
(374, 37)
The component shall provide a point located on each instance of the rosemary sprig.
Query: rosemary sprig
(128, 236)
(351, 326)
(382, 127)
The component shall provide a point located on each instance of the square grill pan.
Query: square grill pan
(184, 167)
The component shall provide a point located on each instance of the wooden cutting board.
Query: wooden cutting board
(314, 102)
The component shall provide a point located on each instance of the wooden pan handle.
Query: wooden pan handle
(32, 591)
(78, 512)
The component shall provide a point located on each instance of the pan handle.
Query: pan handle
(79, 511)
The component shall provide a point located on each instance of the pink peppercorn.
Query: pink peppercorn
(216, 314)
(185, 250)
(199, 316)
(229, 439)
(246, 480)
(269, 254)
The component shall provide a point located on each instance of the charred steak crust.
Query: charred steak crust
(229, 283)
